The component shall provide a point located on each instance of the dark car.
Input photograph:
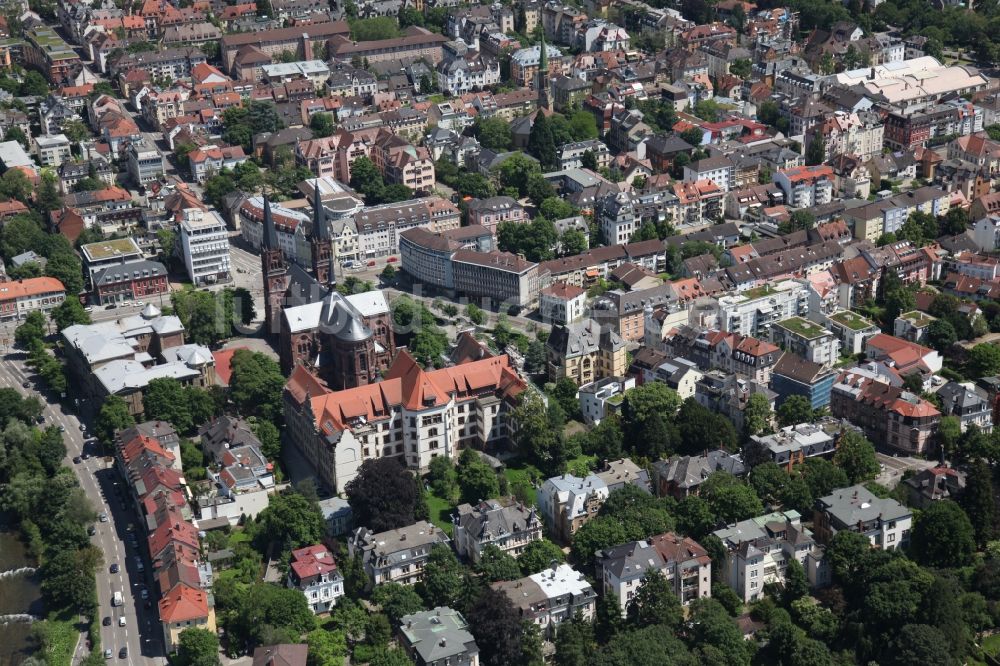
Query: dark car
(77, 460)
(26, 384)
(40, 419)
(107, 621)
(123, 653)
(114, 568)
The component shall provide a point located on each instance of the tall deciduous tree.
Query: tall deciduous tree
(114, 416)
(856, 456)
(198, 647)
(495, 565)
(655, 603)
(290, 521)
(383, 496)
(943, 536)
(442, 583)
(498, 629)
(978, 501)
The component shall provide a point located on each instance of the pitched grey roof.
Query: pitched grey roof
(491, 518)
(438, 635)
(133, 270)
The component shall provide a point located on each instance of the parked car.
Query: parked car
(371, 262)
(144, 594)
(391, 260)
(104, 517)
(77, 460)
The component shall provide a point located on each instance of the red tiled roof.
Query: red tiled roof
(183, 603)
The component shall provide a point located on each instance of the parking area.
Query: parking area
(893, 467)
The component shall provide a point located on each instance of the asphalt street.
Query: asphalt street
(141, 632)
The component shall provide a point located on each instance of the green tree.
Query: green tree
(30, 330)
(493, 133)
(256, 385)
(198, 647)
(943, 536)
(15, 133)
(14, 185)
(796, 409)
(495, 565)
(383, 496)
(326, 648)
(919, 644)
(757, 417)
(541, 143)
(655, 603)
(165, 399)
(729, 499)
(583, 125)
(476, 480)
(442, 583)
(796, 583)
(68, 579)
(816, 150)
(397, 600)
(498, 629)
(475, 314)
(984, 360)
(366, 178)
(693, 136)
(114, 416)
(538, 556)
(290, 521)
(978, 501)
(941, 335)
(572, 242)
(322, 124)
(856, 456)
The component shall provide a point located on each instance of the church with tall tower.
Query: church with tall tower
(542, 82)
(344, 340)
(274, 268)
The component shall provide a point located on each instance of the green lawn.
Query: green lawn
(521, 475)
(440, 511)
(238, 536)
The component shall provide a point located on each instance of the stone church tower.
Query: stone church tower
(275, 271)
(321, 245)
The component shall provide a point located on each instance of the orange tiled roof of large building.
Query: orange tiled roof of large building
(30, 287)
(408, 385)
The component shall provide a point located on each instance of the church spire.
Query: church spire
(542, 83)
(269, 239)
(275, 272)
(320, 229)
(321, 242)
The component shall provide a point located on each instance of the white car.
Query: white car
(104, 517)
(121, 621)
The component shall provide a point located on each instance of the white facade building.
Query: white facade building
(687, 567)
(314, 572)
(758, 551)
(596, 397)
(205, 246)
(754, 311)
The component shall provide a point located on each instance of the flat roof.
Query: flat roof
(803, 328)
(851, 320)
(110, 248)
